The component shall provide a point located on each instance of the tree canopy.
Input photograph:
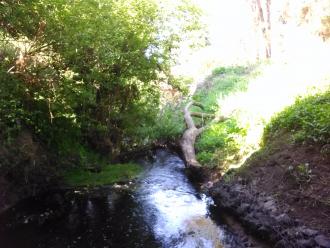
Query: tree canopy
(89, 70)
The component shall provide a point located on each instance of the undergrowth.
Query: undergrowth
(220, 144)
(307, 121)
(230, 142)
(223, 82)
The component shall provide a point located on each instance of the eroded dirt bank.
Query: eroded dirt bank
(263, 218)
(281, 194)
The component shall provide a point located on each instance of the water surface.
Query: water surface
(161, 209)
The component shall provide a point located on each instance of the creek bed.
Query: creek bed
(160, 209)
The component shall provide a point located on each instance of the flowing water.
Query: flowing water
(161, 209)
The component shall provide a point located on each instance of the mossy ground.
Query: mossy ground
(108, 175)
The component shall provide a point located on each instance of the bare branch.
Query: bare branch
(202, 115)
(198, 104)
(187, 117)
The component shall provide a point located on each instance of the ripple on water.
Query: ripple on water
(164, 210)
(177, 213)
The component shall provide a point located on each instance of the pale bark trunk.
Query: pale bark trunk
(265, 26)
(188, 139)
(189, 136)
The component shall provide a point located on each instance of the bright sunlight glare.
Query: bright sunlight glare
(299, 63)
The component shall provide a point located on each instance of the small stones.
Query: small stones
(260, 214)
(308, 232)
(322, 241)
(280, 244)
(243, 208)
(283, 219)
(270, 205)
(306, 243)
(263, 231)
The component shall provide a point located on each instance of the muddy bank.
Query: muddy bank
(261, 216)
(281, 194)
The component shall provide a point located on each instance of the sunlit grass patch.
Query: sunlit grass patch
(109, 174)
(223, 82)
(250, 96)
(308, 120)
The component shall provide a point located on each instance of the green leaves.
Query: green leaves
(86, 64)
(219, 144)
(308, 120)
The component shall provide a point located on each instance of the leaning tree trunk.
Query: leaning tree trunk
(188, 139)
(189, 136)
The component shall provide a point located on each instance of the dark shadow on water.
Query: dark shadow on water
(162, 209)
(73, 220)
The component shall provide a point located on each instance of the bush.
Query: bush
(220, 144)
(308, 120)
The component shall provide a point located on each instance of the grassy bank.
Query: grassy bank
(307, 121)
(107, 175)
(221, 143)
(292, 164)
(254, 97)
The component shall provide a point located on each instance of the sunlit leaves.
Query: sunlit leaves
(308, 120)
(95, 63)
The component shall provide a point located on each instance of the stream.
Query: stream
(160, 209)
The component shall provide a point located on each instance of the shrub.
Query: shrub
(220, 144)
(308, 120)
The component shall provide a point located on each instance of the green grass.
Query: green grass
(230, 142)
(108, 175)
(223, 82)
(308, 120)
(220, 143)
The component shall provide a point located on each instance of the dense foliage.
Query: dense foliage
(223, 82)
(220, 144)
(308, 120)
(87, 72)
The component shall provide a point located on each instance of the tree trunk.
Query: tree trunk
(189, 136)
(265, 25)
(187, 145)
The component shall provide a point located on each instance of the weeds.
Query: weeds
(308, 120)
(220, 144)
(302, 173)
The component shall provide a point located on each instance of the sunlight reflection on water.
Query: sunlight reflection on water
(177, 213)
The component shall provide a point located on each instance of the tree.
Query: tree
(262, 19)
(94, 65)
